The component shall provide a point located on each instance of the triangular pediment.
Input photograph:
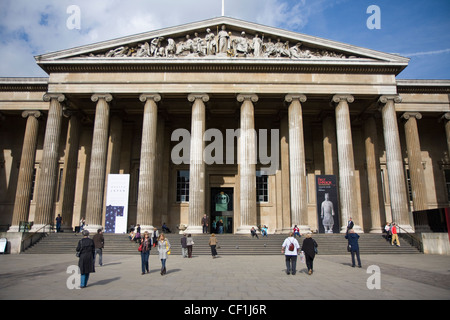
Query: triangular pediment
(218, 40)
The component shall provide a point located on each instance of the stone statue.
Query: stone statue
(327, 214)
(223, 40)
(257, 46)
(211, 45)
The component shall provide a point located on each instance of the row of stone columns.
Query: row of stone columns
(247, 161)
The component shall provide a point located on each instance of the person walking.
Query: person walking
(213, 243)
(189, 244)
(290, 248)
(164, 251)
(86, 251)
(352, 238)
(184, 246)
(146, 246)
(309, 247)
(99, 243)
(155, 237)
(205, 223)
(58, 223)
(394, 231)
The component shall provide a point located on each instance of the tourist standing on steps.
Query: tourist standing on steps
(290, 249)
(354, 247)
(213, 244)
(189, 244)
(394, 231)
(184, 246)
(86, 250)
(146, 243)
(205, 224)
(99, 243)
(309, 246)
(164, 251)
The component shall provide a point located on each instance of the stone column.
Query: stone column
(25, 178)
(299, 206)
(329, 145)
(394, 163)
(197, 165)
(247, 162)
(446, 118)
(373, 175)
(347, 189)
(49, 166)
(145, 205)
(97, 169)
(70, 169)
(418, 186)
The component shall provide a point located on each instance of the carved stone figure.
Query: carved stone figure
(223, 40)
(241, 45)
(257, 46)
(211, 45)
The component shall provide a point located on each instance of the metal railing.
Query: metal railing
(32, 235)
(412, 239)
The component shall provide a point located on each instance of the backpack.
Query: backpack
(291, 247)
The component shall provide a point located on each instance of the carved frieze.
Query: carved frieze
(223, 44)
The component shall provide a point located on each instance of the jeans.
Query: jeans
(100, 254)
(84, 280)
(291, 264)
(184, 252)
(144, 261)
(213, 250)
(357, 256)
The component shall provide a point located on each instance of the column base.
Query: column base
(148, 228)
(92, 228)
(40, 228)
(356, 228)
(405, 227)
(193, 230)
(13, 229)
(245, 229)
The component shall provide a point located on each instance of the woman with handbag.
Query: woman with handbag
(309, 247)
(144, 248)
(85, 252)
(164, 251)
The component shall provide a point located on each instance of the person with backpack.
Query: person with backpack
(290, 249)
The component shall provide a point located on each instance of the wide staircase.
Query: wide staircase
(229, 244)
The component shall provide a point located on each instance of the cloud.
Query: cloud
(425, 53)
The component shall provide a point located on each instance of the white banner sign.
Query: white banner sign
(117, 203)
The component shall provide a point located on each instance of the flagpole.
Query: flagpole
(223, 8)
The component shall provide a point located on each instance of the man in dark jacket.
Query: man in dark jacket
(99, 243)
(86, 250)
(352, 238)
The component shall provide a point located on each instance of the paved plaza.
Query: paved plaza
(50, 277)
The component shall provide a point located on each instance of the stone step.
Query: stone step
(335, 244)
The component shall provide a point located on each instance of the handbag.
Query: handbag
(349, 248)
(140, 247)
(167, 247)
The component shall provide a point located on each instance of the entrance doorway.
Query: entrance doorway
(222, 210)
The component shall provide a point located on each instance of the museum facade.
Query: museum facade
(225, 118)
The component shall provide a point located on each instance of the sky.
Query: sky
(417, 29)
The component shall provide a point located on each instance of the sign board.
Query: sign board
(327, 204)
(116, 217)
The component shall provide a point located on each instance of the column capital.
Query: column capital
(194, 96)
(96, 96)
(33, 113)
(408, 115)
(49, 96)
(343, 97)
(445, 116)
(295, 96)
(384, 99)
(153, 96)
(247, 96)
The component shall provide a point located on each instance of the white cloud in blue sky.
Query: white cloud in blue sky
(417, 29)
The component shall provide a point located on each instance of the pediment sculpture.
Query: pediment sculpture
(224, 44)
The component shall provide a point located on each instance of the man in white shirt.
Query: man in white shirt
(290, 249)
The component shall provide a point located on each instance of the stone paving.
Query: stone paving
(42, 277)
